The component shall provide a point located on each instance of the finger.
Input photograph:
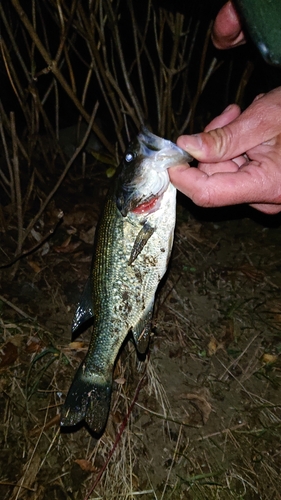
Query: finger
(227, 188)
(227, 116)
(260, 122)
(268, 151)
(225, 166)
(227, 31)
(268, 209)
(215, 168)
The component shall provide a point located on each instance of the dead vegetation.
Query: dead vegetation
(72, 65)
(199, 419)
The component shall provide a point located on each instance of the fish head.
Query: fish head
(142, 176)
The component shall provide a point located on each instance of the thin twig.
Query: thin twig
(135, 102)
(16, 179)
(37, 245)
(52, 66)
(16, 308)
(62, 176)
(236, 360)
(172, 463)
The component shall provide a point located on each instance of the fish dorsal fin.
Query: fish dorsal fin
(142, 238)
(84, 311)
(141, 332)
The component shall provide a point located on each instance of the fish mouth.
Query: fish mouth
(166, 153)
(138, 205)
(148, 207)
(145, 175)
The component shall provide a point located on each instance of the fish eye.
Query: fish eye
(129, 157)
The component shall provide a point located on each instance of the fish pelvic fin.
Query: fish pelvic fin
(141, 240)
(88, 399)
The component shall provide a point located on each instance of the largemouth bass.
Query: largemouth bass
(132, 248)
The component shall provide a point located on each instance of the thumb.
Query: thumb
(260, 122)
(227, 30)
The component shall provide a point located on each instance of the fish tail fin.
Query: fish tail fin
(88, 399)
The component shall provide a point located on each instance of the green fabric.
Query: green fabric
(263, 21)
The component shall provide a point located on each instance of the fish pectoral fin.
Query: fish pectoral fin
(84, 311)
(88, 399)
(141, 332)
(142, 238)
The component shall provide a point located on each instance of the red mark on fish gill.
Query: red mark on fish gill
(146, 207)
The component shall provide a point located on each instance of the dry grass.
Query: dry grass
(205, 420)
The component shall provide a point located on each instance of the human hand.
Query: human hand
(239, 158)
(227, 31)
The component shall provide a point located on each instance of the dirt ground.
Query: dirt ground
(200, 417)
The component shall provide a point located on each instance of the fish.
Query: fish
(132, 248)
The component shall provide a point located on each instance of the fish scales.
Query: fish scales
(132, 247)
(126, 291)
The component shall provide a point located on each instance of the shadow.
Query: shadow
(222, 214)
(73, 429)
(82, 328)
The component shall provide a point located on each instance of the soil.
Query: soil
(200, 417)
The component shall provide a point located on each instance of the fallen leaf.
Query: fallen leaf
(201, 404)
(66, 242)
(86, 465)
(36, 268)
(214, 345)
(88, 236)
(116, 418)
(37, 236)
(33, 345)
(67, 249)
(269, 358)
(81, 215)
(71, 230)
(120, 380)
(77, 345)
(9, 355)
(45, 249)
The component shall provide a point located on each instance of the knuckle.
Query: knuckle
(222, 138)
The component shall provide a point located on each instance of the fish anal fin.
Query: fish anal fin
(84, 311)
(141, 332)
(142, 238)
(88, 400)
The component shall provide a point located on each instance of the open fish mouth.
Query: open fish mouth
(161, 153)
(146, 175)
(170, 153)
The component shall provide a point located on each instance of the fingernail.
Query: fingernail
(192, 143)
(259, 96)
(227, 109)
